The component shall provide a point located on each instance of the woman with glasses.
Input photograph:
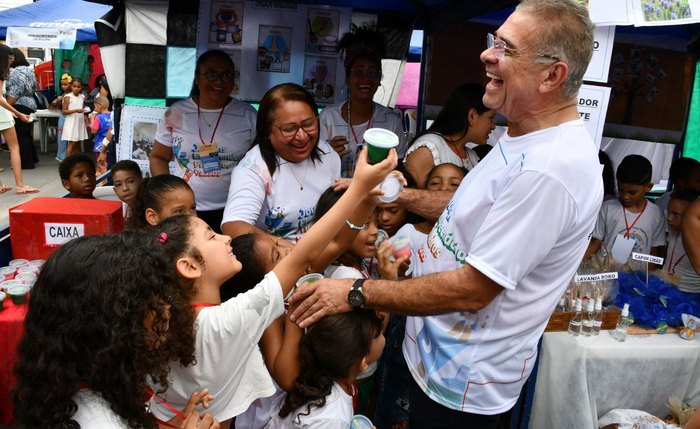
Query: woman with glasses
(344, 124)
(276, 186)
(206, 135)
(464, 119)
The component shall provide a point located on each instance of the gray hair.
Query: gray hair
(564, 32)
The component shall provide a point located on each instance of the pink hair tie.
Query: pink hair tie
(162, 238)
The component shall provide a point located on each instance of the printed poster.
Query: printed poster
(322, 31)
(320, 78)
(236, 58)
(592, 107)
(598, 68)
(226, 23)
(666, 12)
(274, 49)
(137, 132)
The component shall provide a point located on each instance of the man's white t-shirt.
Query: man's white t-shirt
(229, 362)
(334, 125)
(335, 414)
(523, 219)
(180, 130)
(277, 204)
(648, 229)
(95, 412)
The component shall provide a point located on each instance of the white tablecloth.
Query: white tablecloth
(582, 378)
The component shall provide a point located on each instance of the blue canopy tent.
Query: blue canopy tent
(77, 14)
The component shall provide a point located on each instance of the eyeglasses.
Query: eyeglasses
(360, 73)
(227, 76)
(290, 130)
(500, 48)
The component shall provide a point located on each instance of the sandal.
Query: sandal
(4, 188)
(26, 189)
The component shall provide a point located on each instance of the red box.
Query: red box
(41, 225)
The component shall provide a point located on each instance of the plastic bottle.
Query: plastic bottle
(620, 332)
(598, 316)
(562, 305)
(575, 323)
(587, 322)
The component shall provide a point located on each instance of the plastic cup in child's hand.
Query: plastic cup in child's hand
(86, 109)
(309, 278)
(391, 188)
(379, 142)
(381, 236)
(360, 422)
(402, 247)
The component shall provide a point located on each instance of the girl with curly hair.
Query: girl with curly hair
(106, 316)
(332, 353)
(229, 361)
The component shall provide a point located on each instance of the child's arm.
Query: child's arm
(94, 122)
(593, 247)
(280, 348)
(387, 269)
(199, 397)
(65, 109)
(322, 232)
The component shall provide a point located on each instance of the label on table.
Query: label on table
(647, 258)
(61, 233)
(595, 277)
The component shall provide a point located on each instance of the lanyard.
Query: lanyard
(177, 412)
(353, 389)
(221, 113)
(352, 129)
(629, 227)
(671, 265)
(203, 304)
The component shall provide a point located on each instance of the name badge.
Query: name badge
(622, 248)
(209, 157)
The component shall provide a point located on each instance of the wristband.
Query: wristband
(105, 142)
(355, 227)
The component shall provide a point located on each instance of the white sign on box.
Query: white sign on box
(60, 233)
(599, 67)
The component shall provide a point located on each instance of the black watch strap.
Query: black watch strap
(355, 297)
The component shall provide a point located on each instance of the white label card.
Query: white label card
(595, 277)
(60, 233)
(621, 248)
(648, 258)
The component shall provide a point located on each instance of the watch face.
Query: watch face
(356, 299)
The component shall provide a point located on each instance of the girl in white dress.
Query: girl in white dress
(74, 128)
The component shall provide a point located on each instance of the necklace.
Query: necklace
(201, 114)
(303, 179)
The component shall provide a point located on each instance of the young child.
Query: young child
(393, 376)
(332, 353)
(229, 362)
(100, 325)
(77, 174)
(100, 123)
(630, 217)
(127, 178)
(74, 129)
(676, 263)
(65, 83)
(158, 198)
(684, 174)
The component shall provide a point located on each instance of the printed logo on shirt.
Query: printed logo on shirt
(640, 238)
(275, 222)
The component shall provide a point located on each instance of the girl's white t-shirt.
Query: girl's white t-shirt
(418, 243)
(229, 362)
(333, 125)
(335, 414)
(95, 412)
(442, 153)
(278, 205)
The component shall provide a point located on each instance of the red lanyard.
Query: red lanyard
(629, 227)
(203, 304)
(177, 412)
(221, 113)
(353, 390)
(369, 125)
(671, 265)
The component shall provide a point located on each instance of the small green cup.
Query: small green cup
(309, 278)
(379, 142)
(18, 294)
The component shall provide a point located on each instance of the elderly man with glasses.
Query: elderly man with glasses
(509, 240)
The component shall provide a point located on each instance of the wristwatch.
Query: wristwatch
(355, 297)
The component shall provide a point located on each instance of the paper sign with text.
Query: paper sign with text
(592, 107)
(595, 277)
(599, 66)
(647, 258)
(61, 233)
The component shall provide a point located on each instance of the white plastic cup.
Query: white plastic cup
(381, 236)
(8, 273)
(360, 422)
(18, 263)
(10, 283)
(27, 269)
(37, 262)
(18, 294)
(402, 247)
(309, 278)
(27, 278)
(391, 188)
(379, 142)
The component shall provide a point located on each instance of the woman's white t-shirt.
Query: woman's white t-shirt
(229, 362)
(333, 125)
(284, 204)
(335, 414)
(180, 130)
